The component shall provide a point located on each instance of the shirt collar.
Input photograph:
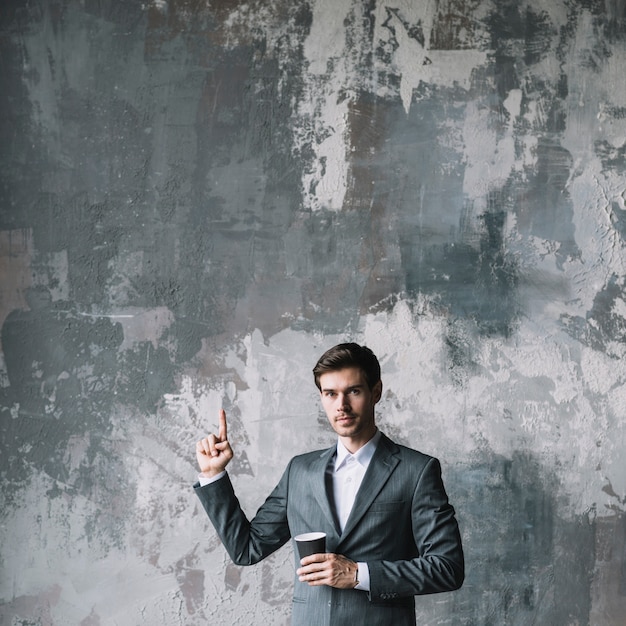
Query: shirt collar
(363, 455)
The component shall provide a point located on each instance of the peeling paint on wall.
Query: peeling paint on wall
(197, 199)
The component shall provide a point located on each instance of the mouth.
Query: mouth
(344, 418)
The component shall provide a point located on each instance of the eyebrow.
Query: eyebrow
(350, 388)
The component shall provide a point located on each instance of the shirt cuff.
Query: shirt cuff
(203, 480)
(364, 577)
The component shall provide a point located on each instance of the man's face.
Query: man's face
(349, 405)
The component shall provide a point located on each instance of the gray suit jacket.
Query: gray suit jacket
(401, 525)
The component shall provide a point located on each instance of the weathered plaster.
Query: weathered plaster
(198, 198)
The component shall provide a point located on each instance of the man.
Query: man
(391, 533)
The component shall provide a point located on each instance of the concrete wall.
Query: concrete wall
(197, 198)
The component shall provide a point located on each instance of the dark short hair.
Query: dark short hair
(348, 355)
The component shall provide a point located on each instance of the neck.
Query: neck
(353, 445)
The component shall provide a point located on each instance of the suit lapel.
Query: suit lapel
(381, 467)
(318, 486)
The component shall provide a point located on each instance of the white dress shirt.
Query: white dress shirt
(347, 478)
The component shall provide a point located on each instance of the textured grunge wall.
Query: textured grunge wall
(198, 197)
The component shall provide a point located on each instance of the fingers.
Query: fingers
(213, 452)
(312, 564)
(314, 571)
(206, 446)
(222, 428)
(212, 440)
(211, 446)
(334, 570)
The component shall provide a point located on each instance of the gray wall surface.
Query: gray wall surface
(198, 197)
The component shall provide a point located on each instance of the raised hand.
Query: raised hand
(214, 452)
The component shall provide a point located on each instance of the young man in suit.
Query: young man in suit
(391, 533)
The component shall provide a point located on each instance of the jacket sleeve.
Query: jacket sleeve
(246, 541)
(439, 564)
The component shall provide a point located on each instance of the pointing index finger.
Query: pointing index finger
(222, 429)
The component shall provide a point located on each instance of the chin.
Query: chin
(348, 431)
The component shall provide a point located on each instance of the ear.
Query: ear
(377, 391)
